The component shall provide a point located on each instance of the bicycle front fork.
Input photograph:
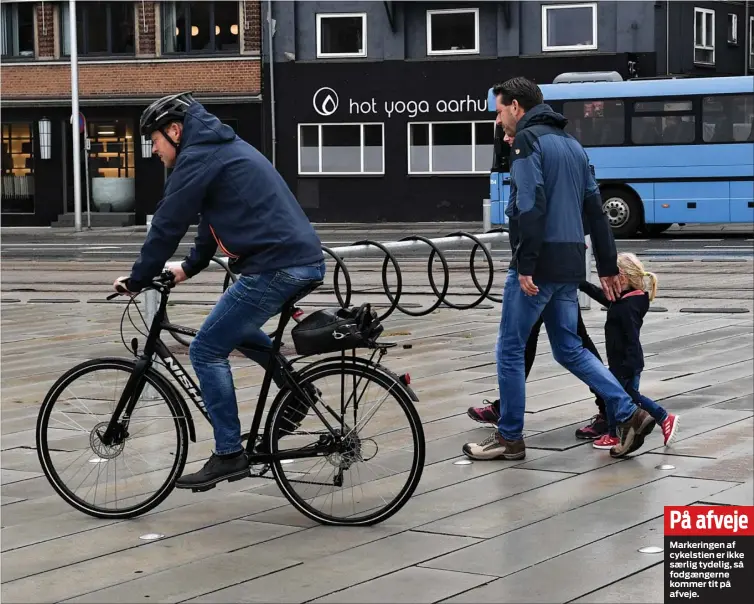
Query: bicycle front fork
(117, 427)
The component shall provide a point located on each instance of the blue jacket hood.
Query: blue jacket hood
(541, 114)
(200, 127)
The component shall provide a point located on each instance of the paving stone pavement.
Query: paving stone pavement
(481, 532)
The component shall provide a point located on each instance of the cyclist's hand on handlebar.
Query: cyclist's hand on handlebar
(178, 273)
(119, 285)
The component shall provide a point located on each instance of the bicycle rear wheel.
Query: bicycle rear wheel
(125, 479)
(376, 462)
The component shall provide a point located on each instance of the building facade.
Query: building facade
(372, 111)
(378, 109)
(129, 53)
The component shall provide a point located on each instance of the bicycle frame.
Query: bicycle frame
(117, 427)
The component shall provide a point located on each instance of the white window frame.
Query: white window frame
(705, 43)
(341, 55)
(732, 20)
(361, 148)
(751, 43)
(450, 11)
(474, 170)
(553, 7)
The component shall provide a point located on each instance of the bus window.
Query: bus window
(672, 124)
(595, 123)
(728, 119)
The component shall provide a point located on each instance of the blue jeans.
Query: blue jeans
(237, 320)
(559, 306)
(631, 386)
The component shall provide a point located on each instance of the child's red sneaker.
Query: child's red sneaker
(669, 428)
(606, 442)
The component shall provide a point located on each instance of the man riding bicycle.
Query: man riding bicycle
(247, 210)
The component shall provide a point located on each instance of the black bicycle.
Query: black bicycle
(124, 421)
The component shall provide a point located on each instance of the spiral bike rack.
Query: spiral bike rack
(366, 247)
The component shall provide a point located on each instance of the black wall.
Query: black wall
(397, 196)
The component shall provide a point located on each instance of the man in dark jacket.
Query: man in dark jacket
(246, 210)
(552, 192)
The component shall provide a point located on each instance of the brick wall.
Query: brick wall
(45, 31)
(252, 36)
(145, 20)
(140, 79)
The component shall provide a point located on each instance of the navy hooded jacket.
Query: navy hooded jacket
(623, 323)
(553, 198)
(246, 208)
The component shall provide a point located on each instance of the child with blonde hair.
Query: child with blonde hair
(625, 356)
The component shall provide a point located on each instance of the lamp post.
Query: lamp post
(75, 115)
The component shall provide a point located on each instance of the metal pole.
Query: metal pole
(151, 302)
(87, 147)
(272, 81)
(585, 302)
(486, 215)
(152, 299)
(487, 220)
(75, 103)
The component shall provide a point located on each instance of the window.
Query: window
(200, 27)
(450, 147)
(342, 35)
(453, 31)
(751, 43)
(569, 27)
(341, 149)
(102, 28)
(728, 118)
(704, 36)
(663, 123)
(18, 168)
(596, 123)
(732, 29)
(17, 29)
(112, 149)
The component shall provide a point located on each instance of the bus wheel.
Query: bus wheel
(656, 228)
(623, 211)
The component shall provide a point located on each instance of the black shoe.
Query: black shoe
(295, 413)
(216, 470)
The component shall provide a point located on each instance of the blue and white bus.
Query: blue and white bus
(665, 151)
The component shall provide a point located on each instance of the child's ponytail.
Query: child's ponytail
(652, 285)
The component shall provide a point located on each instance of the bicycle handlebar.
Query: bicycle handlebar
(166, 278)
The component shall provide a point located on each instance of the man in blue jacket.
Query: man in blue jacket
(553, 193)
(246, 210)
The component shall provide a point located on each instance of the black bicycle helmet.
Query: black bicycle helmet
(171, 108)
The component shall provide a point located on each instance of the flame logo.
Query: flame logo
(325, 101)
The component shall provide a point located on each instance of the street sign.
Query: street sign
(82, 122)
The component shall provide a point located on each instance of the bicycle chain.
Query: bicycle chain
(261, 475)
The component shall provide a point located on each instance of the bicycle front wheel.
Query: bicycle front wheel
(375, 459)
(134, 474)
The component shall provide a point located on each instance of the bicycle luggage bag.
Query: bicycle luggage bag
(334, 330)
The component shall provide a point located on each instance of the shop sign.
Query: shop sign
(326, 102)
